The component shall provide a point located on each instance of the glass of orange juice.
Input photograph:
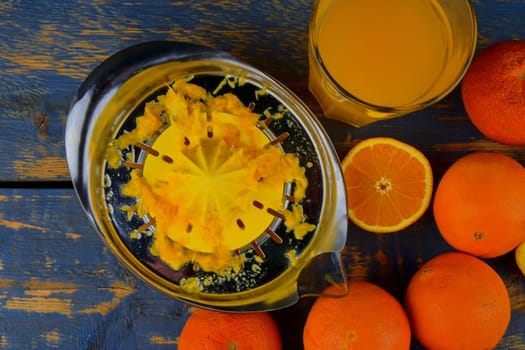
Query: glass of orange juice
(378, 59)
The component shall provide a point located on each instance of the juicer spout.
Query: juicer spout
(322, 271)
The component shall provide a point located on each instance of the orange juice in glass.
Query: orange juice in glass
(377, 59)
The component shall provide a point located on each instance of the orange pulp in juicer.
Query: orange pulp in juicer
(212, 181)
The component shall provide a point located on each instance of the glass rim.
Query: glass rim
(313, 27)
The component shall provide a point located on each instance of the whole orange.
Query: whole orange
(493, 92)
(368, 317)
(457, 301)
(479, 204)
(214, 330)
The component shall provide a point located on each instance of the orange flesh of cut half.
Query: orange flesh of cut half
(388, 184)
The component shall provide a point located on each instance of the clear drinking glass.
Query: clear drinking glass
(378, 59)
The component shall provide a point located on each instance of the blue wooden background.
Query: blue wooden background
(60, 288)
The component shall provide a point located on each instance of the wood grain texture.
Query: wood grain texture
(56, 272)
(46, 50)
(59, 286)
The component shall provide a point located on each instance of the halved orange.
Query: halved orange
(388, 184)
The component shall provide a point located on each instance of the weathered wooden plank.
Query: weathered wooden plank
(57, 277)
(61, 288)
(47, 49)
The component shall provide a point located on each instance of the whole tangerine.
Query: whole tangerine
(216, 330)
(479, 204)
(368, 317)
(493, 92)
(457, 301)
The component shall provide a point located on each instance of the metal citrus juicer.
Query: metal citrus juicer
(278, 268)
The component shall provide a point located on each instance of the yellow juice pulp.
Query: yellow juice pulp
(212, 180)
(385, 52)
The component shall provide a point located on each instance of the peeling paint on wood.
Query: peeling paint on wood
(52, 336)
(119, 290)
(160, 340)
(15, 225)
(39, 305)
(65, 279)
(72, 235)
(3, 341)
(36, 287)
(48, 168)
